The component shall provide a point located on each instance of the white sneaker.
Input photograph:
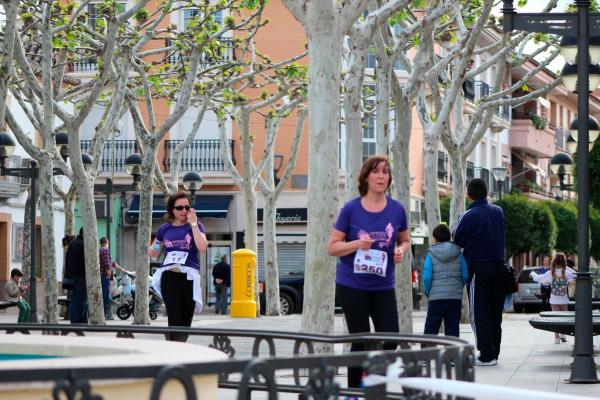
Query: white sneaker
(490, 363)
(556, 340)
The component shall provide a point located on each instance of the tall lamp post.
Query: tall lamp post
(192, 181)
(580, 32)
(133, 164)
(7, 148)
(500, 174)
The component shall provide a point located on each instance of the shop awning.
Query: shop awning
(206, 206)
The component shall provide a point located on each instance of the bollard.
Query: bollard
(243, 287)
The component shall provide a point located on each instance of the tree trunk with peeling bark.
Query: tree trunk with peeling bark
(142, 263)
(401, 178)
(48, 247)
(26, 249)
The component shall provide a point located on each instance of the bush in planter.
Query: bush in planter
(518, 223)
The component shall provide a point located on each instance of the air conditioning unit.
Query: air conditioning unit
(100, 205)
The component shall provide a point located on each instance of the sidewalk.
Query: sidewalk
(529, 357)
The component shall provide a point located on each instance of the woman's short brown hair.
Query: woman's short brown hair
(369, 165)
(171, 203)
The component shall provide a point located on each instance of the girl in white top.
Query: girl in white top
(558, 277)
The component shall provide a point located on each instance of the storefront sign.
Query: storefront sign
(286, 215)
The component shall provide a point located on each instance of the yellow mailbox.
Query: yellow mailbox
(243, 288)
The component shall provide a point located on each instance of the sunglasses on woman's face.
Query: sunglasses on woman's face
(181, 208)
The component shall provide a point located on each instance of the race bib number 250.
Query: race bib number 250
(371, 261)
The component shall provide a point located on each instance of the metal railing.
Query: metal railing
(199, 155)
(14, 185)
(114, 154)
(421, 356)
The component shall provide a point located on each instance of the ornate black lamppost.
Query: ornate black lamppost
(133, 164)
(583, 29)
(7, 148)
(192, 181)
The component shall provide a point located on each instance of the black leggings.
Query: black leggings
(177, 293)
(358, 306)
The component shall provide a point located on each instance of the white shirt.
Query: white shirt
(546, 279)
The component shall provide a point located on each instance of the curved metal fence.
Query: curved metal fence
(258, 361)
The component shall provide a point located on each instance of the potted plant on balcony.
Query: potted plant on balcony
(538, 122)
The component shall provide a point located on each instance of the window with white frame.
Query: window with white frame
(189, 13)
(369, 144)
(95, 19)
(416, 205)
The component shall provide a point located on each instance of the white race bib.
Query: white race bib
(176, 257)
(370, 262)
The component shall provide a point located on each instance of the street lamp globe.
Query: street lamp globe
(62, 142)
(133, 165)
(569, 77)
(568, 49)
(561, 163)
(87, 161)
(593, 128)
(7, 145)
(192, 181)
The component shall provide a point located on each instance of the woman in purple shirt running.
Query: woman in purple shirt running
(370, 236)
(178, 280)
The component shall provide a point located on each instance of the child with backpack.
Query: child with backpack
(444, 276)
(558, 277)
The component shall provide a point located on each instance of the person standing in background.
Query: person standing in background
(222, 280)
(480, 232)
(106, 275)
(75, 269)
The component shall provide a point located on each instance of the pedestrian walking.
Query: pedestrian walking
(370, 236)
(13, 291)
(75, 269)
(545, 289)
(178, 280)
(222, 280)
(444, 276)
(558, 278)
(106, 276)
(480, 232)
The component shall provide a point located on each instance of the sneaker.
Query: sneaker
(563, 339)
(109, 317)
(556, 340)
(490, 363)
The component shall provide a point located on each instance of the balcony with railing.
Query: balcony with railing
(11, 186)
(114, 154)
(227, 53)
(200, 155)
(532, 134)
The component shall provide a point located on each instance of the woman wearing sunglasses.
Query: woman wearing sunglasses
(178, 280)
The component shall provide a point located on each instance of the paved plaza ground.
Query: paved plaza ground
(529, 357)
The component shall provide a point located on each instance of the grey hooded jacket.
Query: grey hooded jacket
(446, 282)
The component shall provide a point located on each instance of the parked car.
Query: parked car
(291, 293)
(528, 295)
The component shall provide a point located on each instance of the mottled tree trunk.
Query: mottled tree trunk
(353, 87)
(270, 247)
(401, 177)
(142, 264)
(325, 47)
(48, 246)
(26, 250)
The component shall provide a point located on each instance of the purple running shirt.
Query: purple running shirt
(178, 243)
(384, 227)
